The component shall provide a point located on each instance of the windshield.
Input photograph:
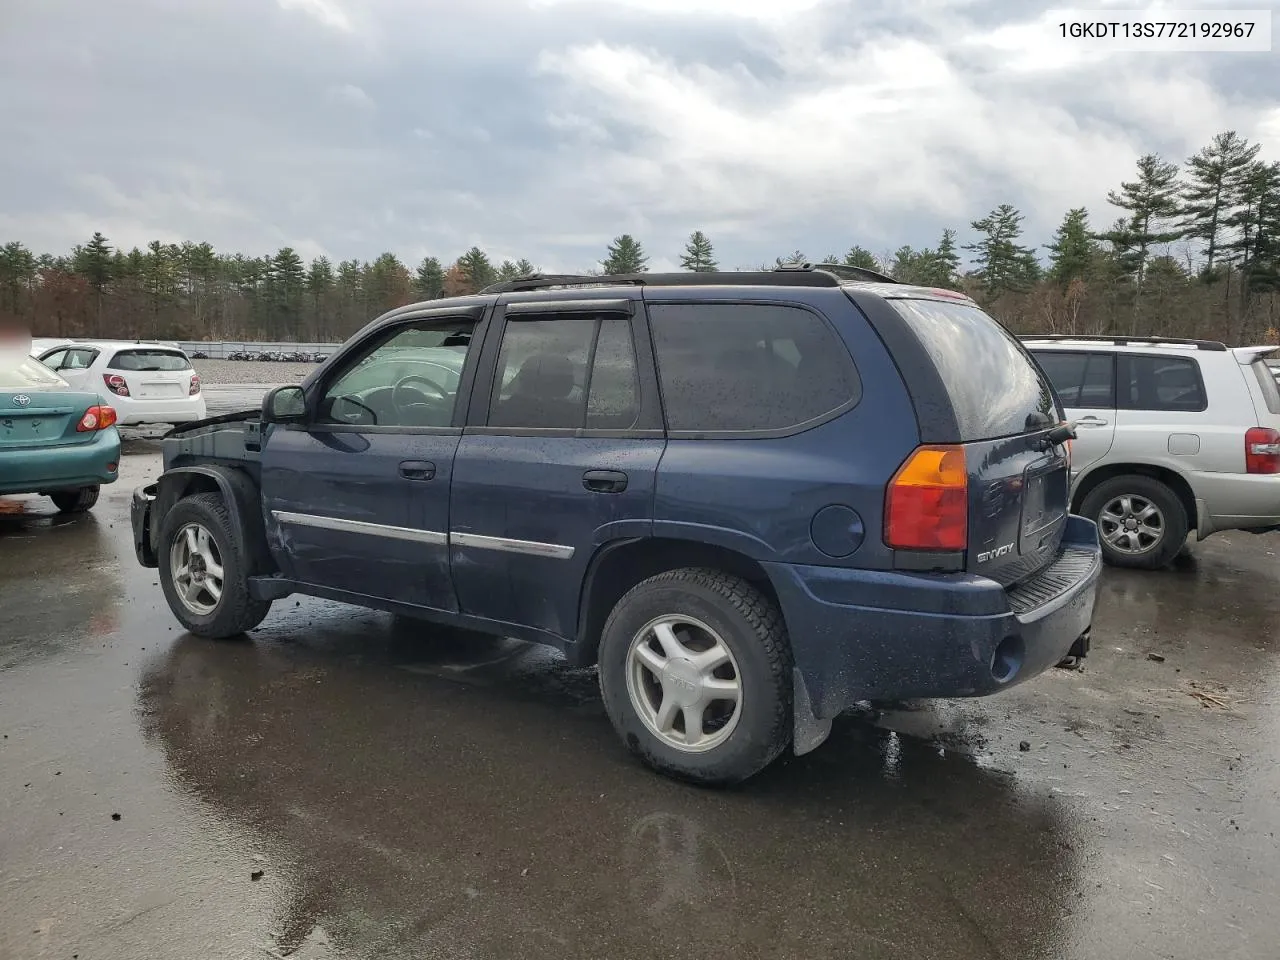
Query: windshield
(993, 382)
(166, 360)
(29, 374)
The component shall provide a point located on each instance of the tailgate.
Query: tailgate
(1005, 409)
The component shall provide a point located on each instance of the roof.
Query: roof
(123, 345)
(1122, 343)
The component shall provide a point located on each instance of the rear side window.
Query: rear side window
(1269, 379)
(1160, 383)
(568, 372)
(995, 387)
(163, 360)
(1082, 379)
(730, 368)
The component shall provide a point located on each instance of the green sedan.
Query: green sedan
(54, 440)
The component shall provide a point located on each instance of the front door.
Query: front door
(1085, 382)
(357, 497)
(561, 456)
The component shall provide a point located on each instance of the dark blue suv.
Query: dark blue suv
(754, 499)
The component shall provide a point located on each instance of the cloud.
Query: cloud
(543, 128)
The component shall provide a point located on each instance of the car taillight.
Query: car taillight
(115, 383)
(927, 504)
(195, 385)
(96, 418)
(1262, 450)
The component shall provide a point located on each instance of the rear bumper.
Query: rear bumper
(46, 469)
(140, 519)
(879, 635)
(133, 411)
(1236, 501)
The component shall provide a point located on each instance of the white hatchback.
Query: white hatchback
(144, 382)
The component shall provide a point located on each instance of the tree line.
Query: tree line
(1194, 251)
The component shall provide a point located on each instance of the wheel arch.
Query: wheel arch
(1169, 477)
(239, 492)
(618, 566)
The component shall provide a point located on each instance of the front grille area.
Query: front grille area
(1072, 565)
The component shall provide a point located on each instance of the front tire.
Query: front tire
(1141, 522)
(204, 570)
(75, 501)
(695, 671)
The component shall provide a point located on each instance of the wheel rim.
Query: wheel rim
(196, 569)
(684, 683)
(1131, 524)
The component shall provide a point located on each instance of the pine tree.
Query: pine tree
(625, 256)
(861, 257)
(1218, 176)
(319, 286)
(509, 271)
(93, 262)
(946, 262)
(698, 256)
(476, 269)
(1073, 250)
(1002, 264)
(286, 283)
(790, 259)
(526, 268)
(428, 282)
(1152, 204)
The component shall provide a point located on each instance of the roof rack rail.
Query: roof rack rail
(1213, 345)
(788, 275)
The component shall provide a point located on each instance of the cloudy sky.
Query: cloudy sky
(542, 128)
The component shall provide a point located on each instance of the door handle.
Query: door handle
(1091, 422)
(417, 469)
(605, 481)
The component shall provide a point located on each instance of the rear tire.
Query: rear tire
(204, 569)
(75, 501)
(698, 646)
(1141, 522)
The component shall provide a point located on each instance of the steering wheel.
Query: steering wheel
(403, 384)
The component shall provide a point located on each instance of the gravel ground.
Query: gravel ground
(250, 371)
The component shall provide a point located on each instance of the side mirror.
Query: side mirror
(286, 404)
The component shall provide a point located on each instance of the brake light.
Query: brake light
(927, 503)
(195, 385)
(115, 383)
(96, 418)
(1262, 450)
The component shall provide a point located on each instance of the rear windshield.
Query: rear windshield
(29, 374)
(169, 360)
(993, 382)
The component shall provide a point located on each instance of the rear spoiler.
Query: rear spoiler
(1247, 355)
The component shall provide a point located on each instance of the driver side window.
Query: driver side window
(409, 377)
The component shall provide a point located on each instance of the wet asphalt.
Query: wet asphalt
(346, 785)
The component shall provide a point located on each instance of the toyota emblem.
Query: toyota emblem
(22, 400)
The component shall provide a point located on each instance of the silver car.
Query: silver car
(1173, 437)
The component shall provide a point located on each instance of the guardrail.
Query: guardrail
(257, 350)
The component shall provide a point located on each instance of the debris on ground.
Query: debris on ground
(1155, 657)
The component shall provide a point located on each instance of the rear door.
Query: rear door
(72, 365)
(561, 455)
(357, 497)
(1086, 384)
(151, 373)
(1004, 408)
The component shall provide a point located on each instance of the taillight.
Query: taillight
(195, 385)
(96, 418)
(927, 504)
(115, 383)
(1261, 450)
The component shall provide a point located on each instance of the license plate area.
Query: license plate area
(1044, 511)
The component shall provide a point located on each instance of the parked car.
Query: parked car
(144, 382)
(754, 499)
(54, 440)
(1174, 437)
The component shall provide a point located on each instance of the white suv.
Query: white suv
(1173, 437)
(144, 382)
